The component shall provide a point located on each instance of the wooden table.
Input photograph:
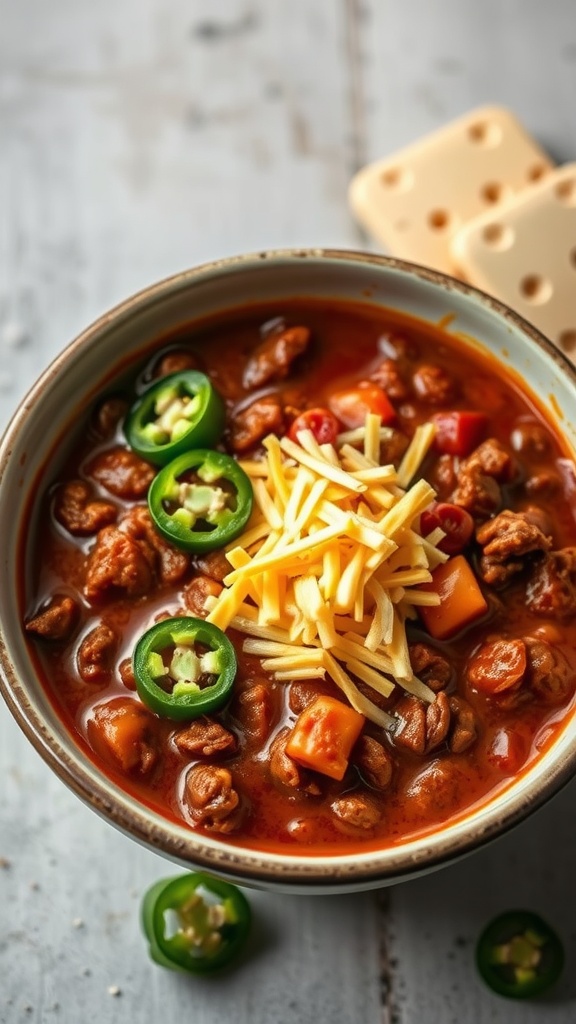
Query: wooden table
(138, 137)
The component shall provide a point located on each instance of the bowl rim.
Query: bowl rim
(253, 866)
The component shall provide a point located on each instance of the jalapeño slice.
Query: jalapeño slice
(180, 412)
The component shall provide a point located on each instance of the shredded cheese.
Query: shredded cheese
(328, 568)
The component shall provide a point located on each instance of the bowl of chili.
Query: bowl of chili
(289, 569)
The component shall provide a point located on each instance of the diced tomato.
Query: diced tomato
(498, 666)
(456, 522)
(459, 432)
(353, 405)
(321, 422)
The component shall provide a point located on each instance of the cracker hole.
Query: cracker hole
(566, 191)
(439, 220)
(498, 236)
(484, 133)
(536, 289)
(572, 257)
(398, 179)
(536, 172)
(493, 192)
(567, 340)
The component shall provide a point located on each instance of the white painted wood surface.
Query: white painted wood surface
(138, 137)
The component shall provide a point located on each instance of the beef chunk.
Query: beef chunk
(176, 361)
(430, 666)
(506, 542)
(393, 447)
(551, 589)
(96, 653)
(388, 376)
(253, 710)
(373, 761)
(438, 787)
(118, 562)
(108, 415)
(434, 385)
(122, 472)
(212, 800)
(214, 564)
(549, 675)
(422, 727)
(463, 728)
(197, 591)
(253, 422)
(170, 564)
(77, 511)
(491, 459)
(273, 357)
(56, 621)
(285, 772)
(205, 738)
(357, 811)
(478, 493)
(125, 734)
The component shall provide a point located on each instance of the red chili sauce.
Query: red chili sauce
(502, 686)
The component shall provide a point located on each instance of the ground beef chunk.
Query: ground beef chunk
(491, 459)
(273, 357)
(56, 621)
(170, 564)
(423, 727)
(108, 415)
(122, 472)
(78, 512)
(434, 385)
(549, 675)
(506, 541)
(373, 761)
(357, 811)
(531, 441)
(124, 733)
(118, 562)
(175, 362)
(551, 589)
(197, 591)
(214, 564)
(253, 422)
(463, 729)
(96, 653)
(430, 666)
(388, 376)
(543, 484)
(126, 673)
(301, 693)
(444, 475)
(253, 710)
(205, 738)
(439, 786)
(285, 772)
(479, 494)
(212, 800)
(393, 447)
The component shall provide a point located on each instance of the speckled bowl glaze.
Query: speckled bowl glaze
(41, 426)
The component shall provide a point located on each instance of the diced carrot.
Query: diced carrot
(323, 736)
(461, 600)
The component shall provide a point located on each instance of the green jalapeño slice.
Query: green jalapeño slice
(195, 922)
(184, 667)
(200, 501)
(179, 412)
(519, 955)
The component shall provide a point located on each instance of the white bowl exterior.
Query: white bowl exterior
(88, 365)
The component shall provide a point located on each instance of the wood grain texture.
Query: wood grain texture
(137, 138)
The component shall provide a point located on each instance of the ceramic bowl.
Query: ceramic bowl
(73, 380)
